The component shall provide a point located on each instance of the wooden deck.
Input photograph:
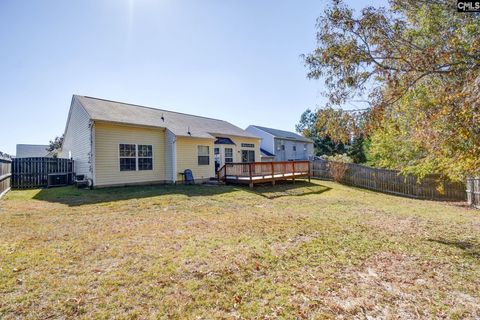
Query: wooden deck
(261, 172)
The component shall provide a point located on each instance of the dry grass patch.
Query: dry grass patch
(318, 250)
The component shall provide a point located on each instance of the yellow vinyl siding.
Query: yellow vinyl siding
(107, 140)
(187, 157)
(237, 149)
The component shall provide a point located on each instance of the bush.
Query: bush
(338, 165)
(337, 170)
(338, 158)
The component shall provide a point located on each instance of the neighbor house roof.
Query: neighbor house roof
(180, 124)
(32, 150)
(265, 153)
(283, 134)
(222, 140)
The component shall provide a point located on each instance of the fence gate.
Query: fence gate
(41, 172)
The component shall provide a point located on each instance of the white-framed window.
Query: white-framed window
(228, 155)
(304, 147)
(248, 156)
(128, 157)
(248, 145)
(203, 155)
(145, 157)
(133, 157)
(294, 148)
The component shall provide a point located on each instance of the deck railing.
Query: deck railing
(256, 172)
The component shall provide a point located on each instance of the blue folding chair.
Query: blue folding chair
(188, 177)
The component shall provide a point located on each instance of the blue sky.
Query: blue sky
(234, 60)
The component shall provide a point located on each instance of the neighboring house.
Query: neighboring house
(115, 143)
(282, 145)
(32, 150)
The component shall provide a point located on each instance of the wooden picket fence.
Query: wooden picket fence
(41, 172)
(5, 173)
(391, 181)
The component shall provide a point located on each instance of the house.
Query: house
(280, 145)
(32, 150)
(115, 143)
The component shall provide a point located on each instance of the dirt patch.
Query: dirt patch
(280, 248)
(379, 220)
(398, 286)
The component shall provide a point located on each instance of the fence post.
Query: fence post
(469, 191)
(473, 192)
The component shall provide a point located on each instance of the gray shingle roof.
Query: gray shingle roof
(283, 134)
(32, 150)
(179, 123)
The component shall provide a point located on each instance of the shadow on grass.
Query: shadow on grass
(72, 196)
(469, 247)
(288, 189)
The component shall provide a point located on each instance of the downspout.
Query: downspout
(174, 158)
(170, 156)
(92, 151)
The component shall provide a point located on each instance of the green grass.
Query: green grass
(319, 250)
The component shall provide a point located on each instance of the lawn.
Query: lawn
(310, 250)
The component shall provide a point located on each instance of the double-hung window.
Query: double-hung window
(128, 157)
(203, 155)
(228, 155)
(145, 157)
(134, 157)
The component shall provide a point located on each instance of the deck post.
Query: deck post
(293, 171)
(273, 175)
(309, 171)
(250, 172)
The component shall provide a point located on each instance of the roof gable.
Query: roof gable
(180, 124)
